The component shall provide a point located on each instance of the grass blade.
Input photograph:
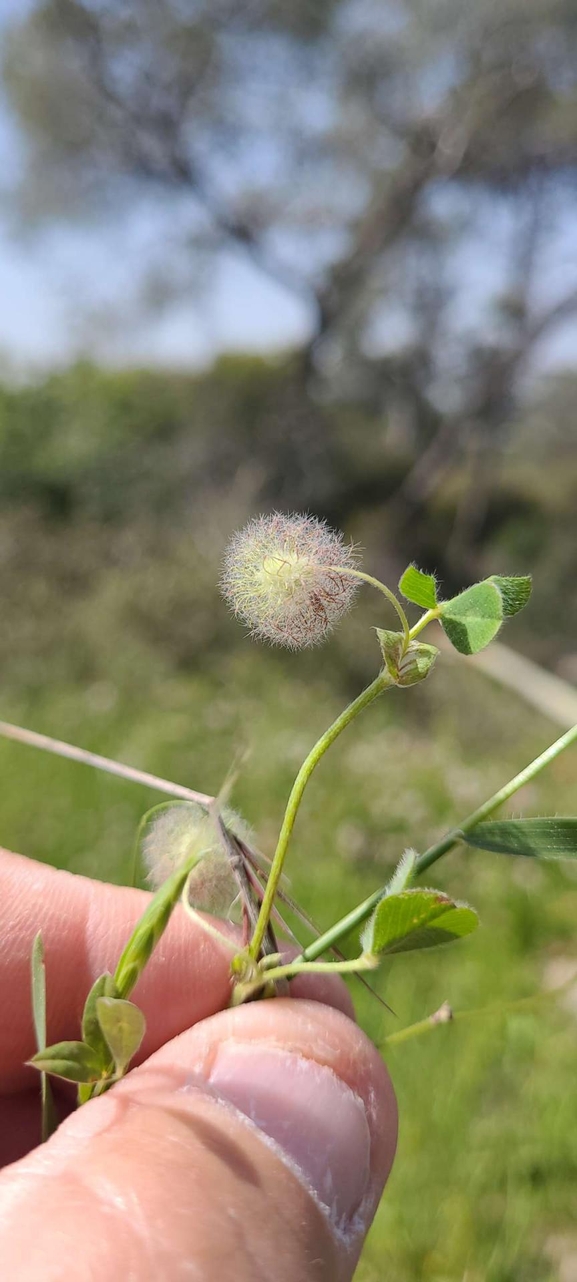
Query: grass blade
(49, 1118)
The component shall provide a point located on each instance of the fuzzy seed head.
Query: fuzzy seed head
(174, 834)
(280, 578)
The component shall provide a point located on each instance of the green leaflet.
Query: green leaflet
(92, 1032)
(418, 587)
(550, 838)
(473, 618)
(123, 1026)
(515, 591)
(150, 929)
(416, 919)
(74, 1061)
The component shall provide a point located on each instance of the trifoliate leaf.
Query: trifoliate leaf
(74, 1061)
(124, 1026)
(537, 838)
(473, 618)
(418, 587)
(515, 591)
(416, 919)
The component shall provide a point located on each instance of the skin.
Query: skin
(210, 1160)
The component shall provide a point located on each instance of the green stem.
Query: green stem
(424, 621)
(297, 967)
(357, 916)
(382, 682)
(446, 843)
(415, 1030)
(381, 587)
(495, 1009)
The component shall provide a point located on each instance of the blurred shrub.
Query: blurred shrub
(118, 491)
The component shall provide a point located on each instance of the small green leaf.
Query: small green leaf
(49, 1118)
(537, 838)
(123, 1026)
(473, 618)
(74, 1061)
(418, 587)
(149, 930)
(515, 591)
(416, 919)
(92, 1033)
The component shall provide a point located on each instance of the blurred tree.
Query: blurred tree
(404, 167)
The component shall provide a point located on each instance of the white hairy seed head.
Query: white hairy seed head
(175, 833)
(286, 577)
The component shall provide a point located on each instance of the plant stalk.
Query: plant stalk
(357, 916)
(446, 843)
(491, 1011)
(424, 621)
(381, 587)
(296, 967)
(34, 740)
(382, 682)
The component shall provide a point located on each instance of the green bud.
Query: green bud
(405, 666)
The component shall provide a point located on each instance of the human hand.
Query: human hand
(251, 1143)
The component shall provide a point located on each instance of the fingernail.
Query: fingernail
(314, 1118)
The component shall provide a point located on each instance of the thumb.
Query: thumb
(255, 1145)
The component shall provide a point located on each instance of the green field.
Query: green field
(483, 1189)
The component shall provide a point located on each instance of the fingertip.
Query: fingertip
(311, 1081)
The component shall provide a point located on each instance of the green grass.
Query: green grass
(486, 1171)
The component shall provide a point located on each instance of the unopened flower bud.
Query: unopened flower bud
(406, 665)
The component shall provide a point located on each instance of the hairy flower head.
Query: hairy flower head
(284, 575)
(176, 832)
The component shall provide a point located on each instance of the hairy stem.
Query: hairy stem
(296, 967)
(382, 682)
(423, 622)
(334, 934)
(381, 587)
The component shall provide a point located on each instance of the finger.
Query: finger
(85, 925)
(254, 1145)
